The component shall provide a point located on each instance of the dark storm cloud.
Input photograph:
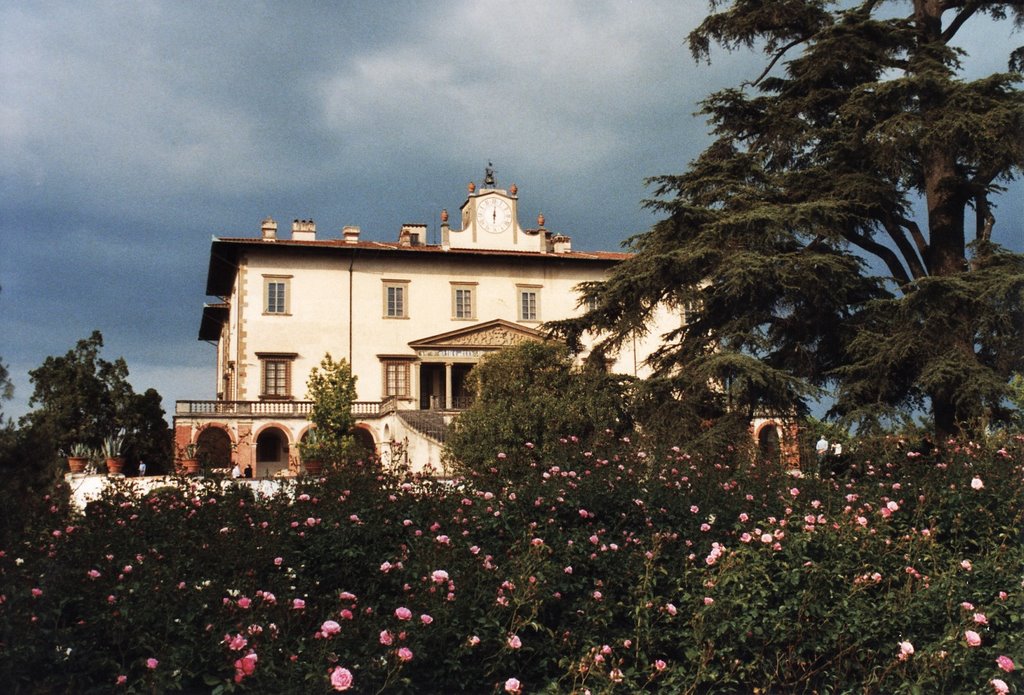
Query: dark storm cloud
(132, 132)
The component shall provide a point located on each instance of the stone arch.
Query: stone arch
(215, 443)
(273, 448)
(769, 442)
(365, 441)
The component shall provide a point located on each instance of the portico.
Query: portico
(445, 360)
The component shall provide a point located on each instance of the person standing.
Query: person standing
(142, 468)
(236, 472)
(821, 449)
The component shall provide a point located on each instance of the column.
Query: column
(447, 385)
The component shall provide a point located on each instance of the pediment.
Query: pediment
(490, 335)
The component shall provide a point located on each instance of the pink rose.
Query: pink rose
(245, 666)
(426, 619)
(977, 484)
(152, 663)
(298, 604)
(1005, 663)
(512, 685)
(405, 654)
(660, 665)
(906, 650)
(122, 679)
(244, 602)
(514, 642)
(403, 613)
(439, 576)
(341, 678)
(1000, 686)
(385, 638)
(972, 637)
(330, 627)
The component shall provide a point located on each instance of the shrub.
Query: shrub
(604, 568)
(529, 398)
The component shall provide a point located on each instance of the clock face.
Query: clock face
(493, 215)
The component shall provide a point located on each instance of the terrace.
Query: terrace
(276, 409)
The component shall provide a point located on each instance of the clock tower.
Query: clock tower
(490, 220)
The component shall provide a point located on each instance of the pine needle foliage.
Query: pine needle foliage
(819, 244)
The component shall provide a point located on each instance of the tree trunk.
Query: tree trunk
(944, 415)
(945, 196)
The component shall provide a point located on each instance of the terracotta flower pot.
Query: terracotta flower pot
(115, 465)
(191, 466)
(77, 463)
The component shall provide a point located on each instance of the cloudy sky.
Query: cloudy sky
(132, 132)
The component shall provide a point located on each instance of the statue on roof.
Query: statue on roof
(489, 175)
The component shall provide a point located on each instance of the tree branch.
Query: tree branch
(885, 254)
(985, 220)
(968, 10)
(778, 56)
(915, 233)
(910, 255)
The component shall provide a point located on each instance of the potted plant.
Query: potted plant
(113, 452)
(78, 457)
(313, 451)
(189, 456)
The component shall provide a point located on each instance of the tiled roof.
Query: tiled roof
(422, 248)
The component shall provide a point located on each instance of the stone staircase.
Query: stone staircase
(429, 423)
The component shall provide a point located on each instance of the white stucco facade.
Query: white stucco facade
(411, 318)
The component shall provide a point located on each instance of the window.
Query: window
(396, 379)
(463, 306)
(276, 375)
(529, 303)
(275, 294)
(395, 298)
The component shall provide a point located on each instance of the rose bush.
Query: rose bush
(606, 569)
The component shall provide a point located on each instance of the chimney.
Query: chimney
(303, 230)
(350, 234)
(561, 243)
(269, 229)
(412, 235)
